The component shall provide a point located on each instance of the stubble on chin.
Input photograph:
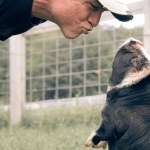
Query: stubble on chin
(71, 35)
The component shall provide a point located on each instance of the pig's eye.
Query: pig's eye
(134, 59)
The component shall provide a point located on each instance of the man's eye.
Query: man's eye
(94, 7)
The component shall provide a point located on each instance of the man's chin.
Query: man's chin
(70, 35)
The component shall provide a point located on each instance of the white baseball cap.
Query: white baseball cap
(118, 9)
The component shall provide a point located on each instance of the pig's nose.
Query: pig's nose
(138, 43)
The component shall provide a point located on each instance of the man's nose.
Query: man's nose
(94, 18)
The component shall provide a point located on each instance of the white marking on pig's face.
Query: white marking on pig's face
(132, 74)
(132, 78)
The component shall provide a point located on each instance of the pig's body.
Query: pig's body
(126, 116)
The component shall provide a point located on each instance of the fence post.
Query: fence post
(146, 9)
(17, 77)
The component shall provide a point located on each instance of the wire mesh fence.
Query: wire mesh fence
(60, 68)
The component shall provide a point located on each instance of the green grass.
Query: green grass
(55, 129)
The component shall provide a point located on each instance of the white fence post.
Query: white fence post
(17, 77)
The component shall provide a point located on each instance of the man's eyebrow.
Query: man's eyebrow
(100, 6)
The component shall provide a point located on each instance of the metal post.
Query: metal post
(17, 77)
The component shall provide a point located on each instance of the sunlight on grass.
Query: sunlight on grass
(55, 129)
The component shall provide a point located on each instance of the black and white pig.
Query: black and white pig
(126, 116)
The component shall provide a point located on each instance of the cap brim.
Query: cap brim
(118, 10)
(123, 18)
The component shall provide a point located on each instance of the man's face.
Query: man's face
(75, 17)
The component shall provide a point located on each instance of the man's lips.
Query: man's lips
(86, 31)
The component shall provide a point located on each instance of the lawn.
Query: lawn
(51, 129)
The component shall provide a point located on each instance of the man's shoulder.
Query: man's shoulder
(16, 17)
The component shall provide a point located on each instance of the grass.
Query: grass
(51, 129)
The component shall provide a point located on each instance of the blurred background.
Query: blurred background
(41, 70)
